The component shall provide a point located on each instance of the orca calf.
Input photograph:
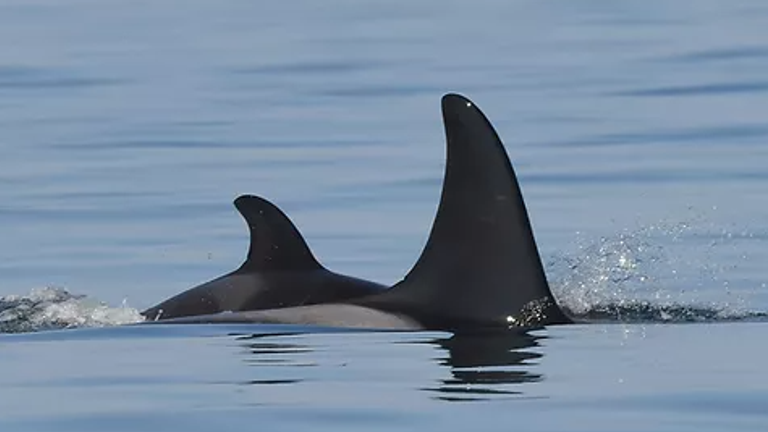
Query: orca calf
(280, 271)
(480, 267)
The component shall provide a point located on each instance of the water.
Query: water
(637, 129)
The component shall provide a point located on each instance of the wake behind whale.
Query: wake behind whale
(56, 308)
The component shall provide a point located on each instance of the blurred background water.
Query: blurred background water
(638, 131)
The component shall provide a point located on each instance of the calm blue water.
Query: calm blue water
(639, 131)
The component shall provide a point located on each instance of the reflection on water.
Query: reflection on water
(481, 365)
(486, 364)
(271, 350)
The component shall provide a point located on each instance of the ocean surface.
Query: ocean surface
(638, 130)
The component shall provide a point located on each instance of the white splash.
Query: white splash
(636, 275)
(55, 308)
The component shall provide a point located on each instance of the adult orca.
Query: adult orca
(279, 271)
(480, 267)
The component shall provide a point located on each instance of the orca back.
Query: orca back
(279, 271)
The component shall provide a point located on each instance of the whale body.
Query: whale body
(480, 267)
(279, 271)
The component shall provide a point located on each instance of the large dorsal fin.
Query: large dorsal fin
(276, 244)
(480, 262)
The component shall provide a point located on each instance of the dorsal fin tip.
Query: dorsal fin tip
(275, 242)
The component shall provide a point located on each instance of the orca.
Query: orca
(480, 267)
(279, 271)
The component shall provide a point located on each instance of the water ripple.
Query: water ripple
(723, 54)
(312, 68)
(687, 135)
(28, 78)
(698, 90)
(649, 176)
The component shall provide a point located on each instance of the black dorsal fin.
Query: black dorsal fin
(276, 243)
(480, 262)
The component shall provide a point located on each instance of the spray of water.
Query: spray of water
(656, 273)
(56, 308)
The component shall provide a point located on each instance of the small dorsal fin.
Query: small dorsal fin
(276, 243)
(480, 262)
